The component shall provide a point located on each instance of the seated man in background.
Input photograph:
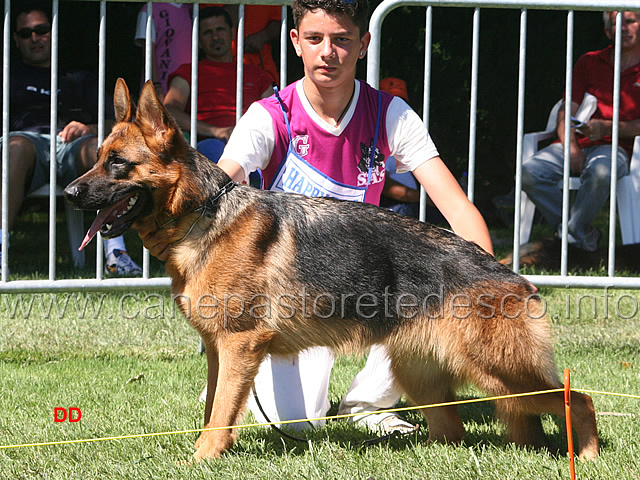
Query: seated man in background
(216, 85)
(590, 144)
(30, 103)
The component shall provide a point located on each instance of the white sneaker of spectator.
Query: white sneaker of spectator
(120, 264)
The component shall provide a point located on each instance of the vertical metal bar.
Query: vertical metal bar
(426, 103)
(148, 74)
(522, 68)
(53, 139)
(240, 62)
(373, 54)
(195, 32)
(148, 44)
(102, 55)
(5, 145)
(473, 109)
(102, 48)
(284, 39)
(427, 92)
(567, 144)
(614, 145)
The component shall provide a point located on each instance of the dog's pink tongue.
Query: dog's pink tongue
(95, 226)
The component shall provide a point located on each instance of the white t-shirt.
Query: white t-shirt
(252, 142)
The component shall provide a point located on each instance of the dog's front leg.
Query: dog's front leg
(238, 358)
(212, 381)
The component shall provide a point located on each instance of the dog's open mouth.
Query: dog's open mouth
(114, 220)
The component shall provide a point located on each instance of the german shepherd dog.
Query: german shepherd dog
(282, 272)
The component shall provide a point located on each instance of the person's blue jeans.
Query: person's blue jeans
(211, 148)
(541, 181)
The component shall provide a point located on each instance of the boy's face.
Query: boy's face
(330, 46)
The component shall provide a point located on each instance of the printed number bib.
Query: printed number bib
(297, 176)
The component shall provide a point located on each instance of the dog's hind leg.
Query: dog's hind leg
(239, 357)
(583, 417)
(524, 430)
(530, 367)
(510, 352)
(444, 423)
(426, 383)
(523, 420)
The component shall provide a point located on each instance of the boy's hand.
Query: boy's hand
(155, 242)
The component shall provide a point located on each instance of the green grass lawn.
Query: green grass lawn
(131, 366)
(143, 375)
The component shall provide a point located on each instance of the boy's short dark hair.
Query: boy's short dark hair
(216, 12)
(28, 6)
(356, 10)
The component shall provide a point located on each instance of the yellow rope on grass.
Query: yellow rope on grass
(596, 392)
(286, 422)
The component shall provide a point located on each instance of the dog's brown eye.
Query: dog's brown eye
(118, 161)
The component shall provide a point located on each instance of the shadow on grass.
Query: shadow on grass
(481, 425)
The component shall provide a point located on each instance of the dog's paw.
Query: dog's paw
(590, 452)
(200, 440)
(212, 446)
(204, 453)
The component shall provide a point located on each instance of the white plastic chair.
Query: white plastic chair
(628, 188)
(75, 223)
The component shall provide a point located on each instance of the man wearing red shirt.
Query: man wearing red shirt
(261, 27)
(590, 144)
(216, 85)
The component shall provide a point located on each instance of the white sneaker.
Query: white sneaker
(120, 264)
(203, 395)
(386, 423)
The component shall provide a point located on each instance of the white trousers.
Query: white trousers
(297, 387)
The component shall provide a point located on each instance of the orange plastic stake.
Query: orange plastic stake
(567, 414)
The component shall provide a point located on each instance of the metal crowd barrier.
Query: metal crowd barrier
(99, 283)
(373, 73)
(373, 76)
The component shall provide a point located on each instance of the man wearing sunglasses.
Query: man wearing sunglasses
(77, 115)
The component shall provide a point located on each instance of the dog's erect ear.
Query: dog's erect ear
(153, 117)
(122, 102)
